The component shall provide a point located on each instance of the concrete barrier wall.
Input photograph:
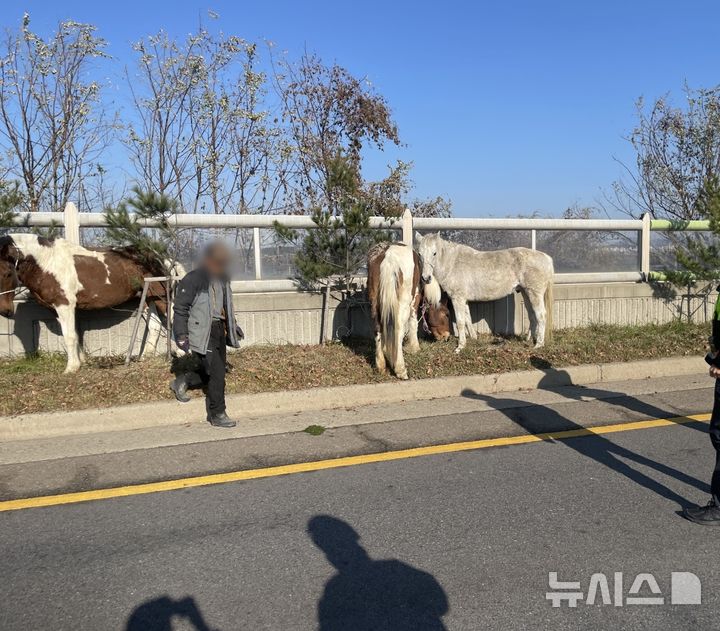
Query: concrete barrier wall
(295, 317)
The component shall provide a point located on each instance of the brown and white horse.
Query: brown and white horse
(65, 277)
(395, 293)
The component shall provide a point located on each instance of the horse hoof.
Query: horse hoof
(459, 350)
(403, 376)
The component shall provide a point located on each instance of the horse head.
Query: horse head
(9, 257)
(427, 248)
(439, 320)
(436, 310)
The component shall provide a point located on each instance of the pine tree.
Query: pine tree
(126, 229)
(334, 252)
(698, 258)
(11, 199)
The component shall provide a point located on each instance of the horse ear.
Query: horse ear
(418, 238)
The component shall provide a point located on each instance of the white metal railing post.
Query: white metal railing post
(533, 239)
(71, 222)
(645, 245)
(407, 227)
(258, 253)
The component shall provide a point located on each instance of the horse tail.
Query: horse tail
(389, 298)
(549, 309)
(395, 296)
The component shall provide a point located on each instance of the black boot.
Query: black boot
(221, 419)
(705, 515)
(179, 386)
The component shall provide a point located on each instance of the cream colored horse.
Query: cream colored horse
(394, 294)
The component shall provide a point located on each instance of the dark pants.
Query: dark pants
(715, 439)
(209, 370)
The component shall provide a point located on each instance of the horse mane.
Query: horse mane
(432, 292)
(377, 250)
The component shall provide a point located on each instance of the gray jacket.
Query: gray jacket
(193, 312)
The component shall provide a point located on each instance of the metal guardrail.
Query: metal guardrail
(491, 223)
(665, 225)
(97, 220)
(72, 221)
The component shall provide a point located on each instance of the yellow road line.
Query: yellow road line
(319, 465)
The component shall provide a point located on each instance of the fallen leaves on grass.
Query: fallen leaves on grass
(37, 384)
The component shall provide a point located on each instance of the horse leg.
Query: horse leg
(461, 312)
(157, 311)
(81, 351)
(537, 304)
(154, 326)
(413, 344)
(531, 335)
(399, 332)
(380, 363)
(469, 323)
(165, 313)
(66, 317)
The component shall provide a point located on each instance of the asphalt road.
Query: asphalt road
(459, 541)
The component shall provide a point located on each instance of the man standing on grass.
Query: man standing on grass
(204, 324)
(710, 515)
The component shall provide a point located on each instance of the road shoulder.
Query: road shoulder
(76, 463)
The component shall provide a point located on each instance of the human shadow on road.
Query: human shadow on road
(537, 419)
(372, 595)
(158, 614)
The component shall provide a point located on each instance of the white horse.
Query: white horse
(394, 293)
(468, 275)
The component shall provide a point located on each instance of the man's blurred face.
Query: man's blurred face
(217, 260)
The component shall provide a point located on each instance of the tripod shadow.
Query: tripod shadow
(537, 419)
(372, 595)
(158, 614)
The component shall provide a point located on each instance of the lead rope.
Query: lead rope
(423, 317)
(17, 289)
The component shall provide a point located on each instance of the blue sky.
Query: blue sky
(505, 107)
